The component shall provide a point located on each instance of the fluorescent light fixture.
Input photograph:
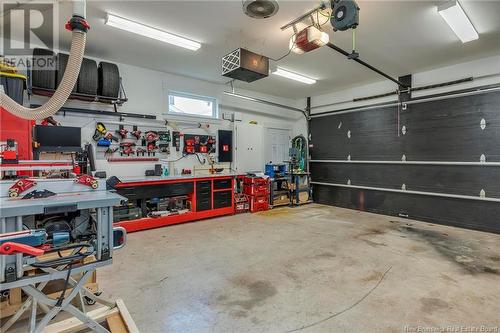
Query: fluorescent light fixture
(294, 76)
(144, 30)
(263, 101)
(458, 21)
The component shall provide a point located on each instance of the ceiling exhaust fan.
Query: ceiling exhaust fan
(260, 9)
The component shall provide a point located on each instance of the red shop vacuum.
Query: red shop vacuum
(13, 128)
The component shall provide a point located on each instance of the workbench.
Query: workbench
(208, 196)
(32, 273)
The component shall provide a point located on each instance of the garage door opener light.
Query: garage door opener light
(308, 39)
(146, 31)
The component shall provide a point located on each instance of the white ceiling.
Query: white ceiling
(399, 37)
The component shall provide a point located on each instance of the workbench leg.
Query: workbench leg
(87, 321)
(85, 292)
(42, 298)
(16, 315)
(33, 316)
(81, 301)
(23, 309)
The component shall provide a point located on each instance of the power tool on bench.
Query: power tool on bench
(31, 242)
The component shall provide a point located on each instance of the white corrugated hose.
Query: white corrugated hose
(63, 91)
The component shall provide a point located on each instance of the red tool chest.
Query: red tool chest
(249, 180)
(257, 189)
(259, 204)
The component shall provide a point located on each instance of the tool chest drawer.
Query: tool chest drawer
(220, 184)
(151, 191)
(223, 199)
(203, 186)
(204, 203)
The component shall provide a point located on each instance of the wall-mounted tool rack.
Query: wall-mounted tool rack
(202, 144)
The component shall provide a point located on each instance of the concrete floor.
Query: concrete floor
(310, 269)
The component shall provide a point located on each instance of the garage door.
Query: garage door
(440, 164)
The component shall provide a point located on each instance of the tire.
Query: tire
(61, 63)
(45, 78)
(88, 78)
(109, 80)
(14, 88)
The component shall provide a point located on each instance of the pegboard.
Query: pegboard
(203, 144)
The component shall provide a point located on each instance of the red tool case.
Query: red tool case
(259, 181)
(241, 203)
(257, 189)
(259, 204)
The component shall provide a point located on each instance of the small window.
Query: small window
(192, 105)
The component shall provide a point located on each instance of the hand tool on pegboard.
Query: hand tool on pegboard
(136, 133)
(50, 121)
(122, 132)
(100, 131)
(127, 148)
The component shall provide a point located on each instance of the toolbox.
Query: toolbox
(252, 180)
(242, 204)
(259, 203)
(256, 190)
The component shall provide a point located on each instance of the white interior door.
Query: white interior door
(249, 147)
(277, 145)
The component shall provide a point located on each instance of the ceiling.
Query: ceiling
(399, 37)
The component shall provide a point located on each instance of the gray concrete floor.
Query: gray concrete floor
(310, 269)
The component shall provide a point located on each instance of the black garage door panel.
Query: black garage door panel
(444, 130)
(462, 180)
(477, 215)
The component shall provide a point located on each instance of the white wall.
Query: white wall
(147, 92)
(475, 68)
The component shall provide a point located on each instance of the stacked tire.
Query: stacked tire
(88, 79)
(109, 80)
(62, 62)
(93, 80)
(43, 73)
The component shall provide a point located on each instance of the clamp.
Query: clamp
(20, 186)
(87, 181)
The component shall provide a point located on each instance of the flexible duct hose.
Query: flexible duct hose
(62, 93)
